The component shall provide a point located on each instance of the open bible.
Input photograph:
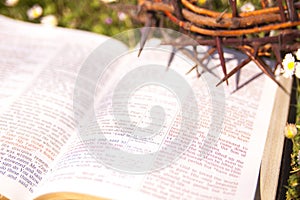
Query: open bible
(43, 155)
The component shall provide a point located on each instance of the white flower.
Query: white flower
(11, 2)
(298, 54)
(122, 16)
(288, 65)
(108, 1)
(273, 33)
(297, 70)
(34, 12)
(247, 7)
(49, 20)
(290, 131)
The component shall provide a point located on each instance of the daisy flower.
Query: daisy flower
(290, 131)
(49, 20)
(122, 16)
(11, 3)
(247, 7)
(35, 12)
(108, 1)
(298, 54)
(288, 65)
(297, 70)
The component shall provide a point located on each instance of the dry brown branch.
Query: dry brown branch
(219, 29)
(232, 23)
(240, 32)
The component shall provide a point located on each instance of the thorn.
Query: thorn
(232, 72)
(145, 33)
(261, 64)
(171, 57)
(140, 51)
(218, 19)
(221, 56)
(194, 58)
(190, 70)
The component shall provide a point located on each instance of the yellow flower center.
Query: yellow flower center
(291, 65)
(289, 133)
(248, 8)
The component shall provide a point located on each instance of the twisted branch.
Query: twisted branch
(217, 29)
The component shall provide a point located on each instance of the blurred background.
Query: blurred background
(107, 17)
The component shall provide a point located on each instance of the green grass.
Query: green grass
(89, 15)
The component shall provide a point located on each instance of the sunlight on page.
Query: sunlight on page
(43, 151)
(229, 170)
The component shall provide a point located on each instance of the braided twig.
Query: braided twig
(219, 29)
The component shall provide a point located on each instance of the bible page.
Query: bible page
(218, 156)
(38, 66)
